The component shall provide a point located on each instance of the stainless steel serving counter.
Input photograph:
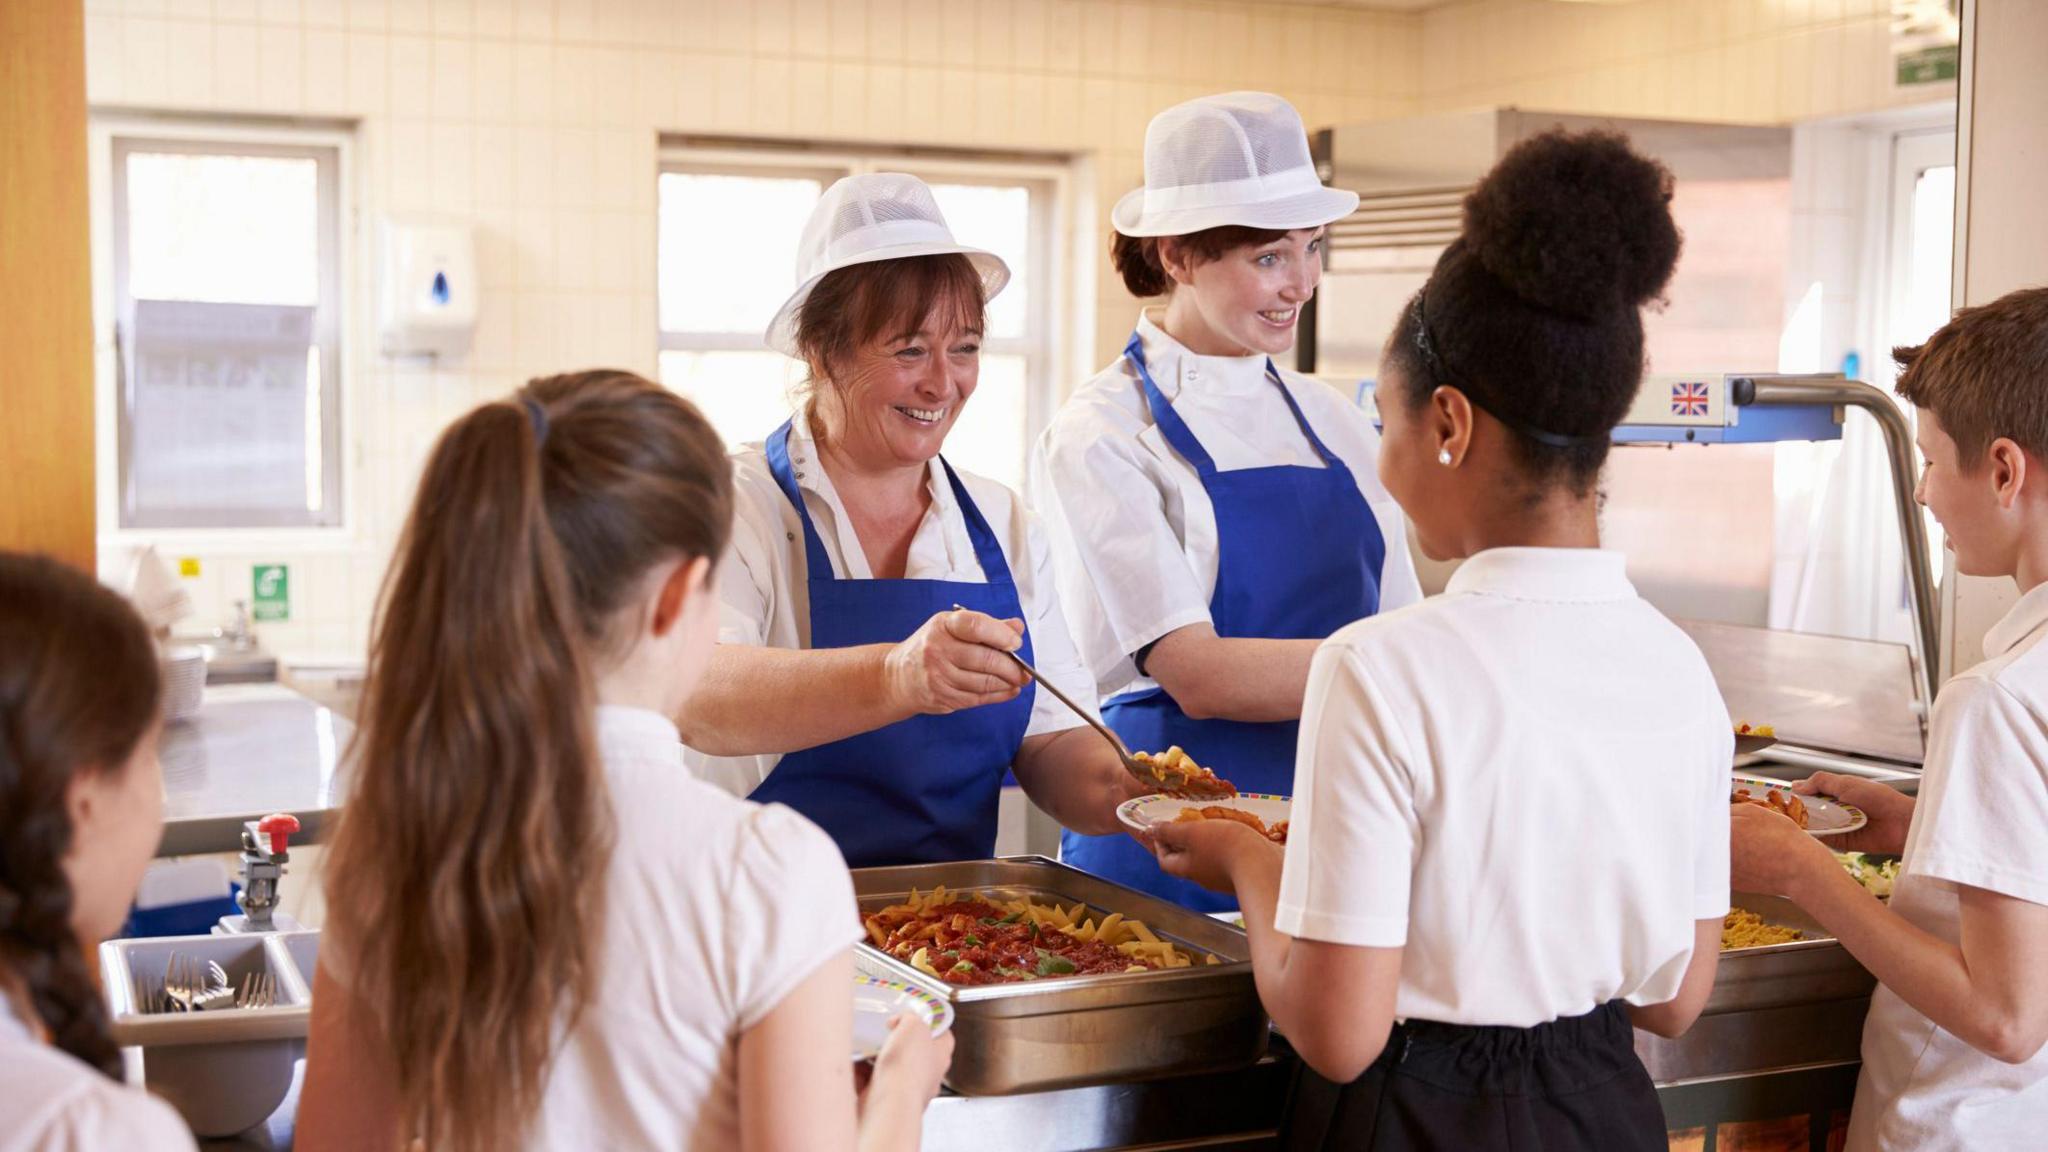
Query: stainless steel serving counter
(250, 750)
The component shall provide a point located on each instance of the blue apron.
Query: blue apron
(923, 789)
(1299, 556)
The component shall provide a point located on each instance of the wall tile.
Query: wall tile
(694, 94)
(885, 100)
(1098, 29)
(576, 78)
(368, 15)
(412, 16)
(105, 51)
(957, 46)
(848, 107)
(279, 70)
(454, 170)
(1066, 31)
(773, 82)
(657, 79)
(492, 69)
(454, 17)
(369, 74)
(575, 167)
(773, 27)
(190, 76)
(412, 77)
(575, 21)
(612, 89)
(846, 29)
(325, 82)
(811, 30)
(1029, 25)
(532, 19)
(453, 88)
(533, 83)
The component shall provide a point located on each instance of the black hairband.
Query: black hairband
(538, 417)
(1427, 346)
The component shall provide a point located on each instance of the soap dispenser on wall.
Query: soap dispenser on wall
(429, 289)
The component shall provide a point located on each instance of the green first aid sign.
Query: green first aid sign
(271, 595)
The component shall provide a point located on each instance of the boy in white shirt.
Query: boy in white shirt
(1952, 1049)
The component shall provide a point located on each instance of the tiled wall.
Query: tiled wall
(1759, 61)
(538, 122)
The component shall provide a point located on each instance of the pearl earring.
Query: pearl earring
(1443, 457)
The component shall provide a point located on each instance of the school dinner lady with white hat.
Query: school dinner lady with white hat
(873, 593)
(1214, 517)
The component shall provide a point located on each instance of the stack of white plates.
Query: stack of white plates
(184, 681)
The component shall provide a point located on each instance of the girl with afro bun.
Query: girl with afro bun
(1509, 837)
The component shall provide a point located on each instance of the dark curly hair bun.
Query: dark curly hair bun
(1579, 224)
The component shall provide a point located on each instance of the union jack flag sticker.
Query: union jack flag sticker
(1689, 398)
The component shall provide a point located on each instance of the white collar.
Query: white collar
(810, 476)
(2018, 623)
(1175, 369)
(625, 733)
(1555, 575)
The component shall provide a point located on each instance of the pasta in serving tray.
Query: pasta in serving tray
(972, 938)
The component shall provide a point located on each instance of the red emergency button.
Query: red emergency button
(278, 826)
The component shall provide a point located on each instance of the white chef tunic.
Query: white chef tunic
(1132, 527)
(1524, 783)
(763, 582)
(1981, 821)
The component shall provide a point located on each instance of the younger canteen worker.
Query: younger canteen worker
(874, 593)
(1214, 517)
(81, 808)
(1953, 1047)
(1510, 819)
(542, 931)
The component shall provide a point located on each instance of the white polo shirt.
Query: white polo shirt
(51, 1101)
(1132, 527)
(1524, 781)
(716, 909)
(1981, 821)
(763, 582)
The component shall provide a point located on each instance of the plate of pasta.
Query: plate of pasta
(974, 938)
(876, 1001)
(1818, 815)
(1266, 815)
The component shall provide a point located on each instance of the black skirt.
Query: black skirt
(1572, 1084)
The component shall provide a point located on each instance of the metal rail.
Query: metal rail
(1835, 391)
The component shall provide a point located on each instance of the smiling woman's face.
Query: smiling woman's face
(1249, 298)
(894, 399)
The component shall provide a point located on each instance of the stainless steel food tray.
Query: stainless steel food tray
(1779, 1006)
(1084, 1029)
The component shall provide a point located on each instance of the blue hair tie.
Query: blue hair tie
(538, 417)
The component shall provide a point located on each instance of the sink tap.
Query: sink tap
(237, 635)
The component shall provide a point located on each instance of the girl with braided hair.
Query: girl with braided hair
(80, 815)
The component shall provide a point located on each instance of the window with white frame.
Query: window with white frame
(729, 224)
(226, 266)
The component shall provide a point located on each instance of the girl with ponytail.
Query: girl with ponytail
(1510, 822)
(81, 810)
(542, 931)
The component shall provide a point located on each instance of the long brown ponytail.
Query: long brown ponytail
(79, 690)
(467, 872)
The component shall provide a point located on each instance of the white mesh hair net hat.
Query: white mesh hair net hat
(870, 217)
(1239, 158)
